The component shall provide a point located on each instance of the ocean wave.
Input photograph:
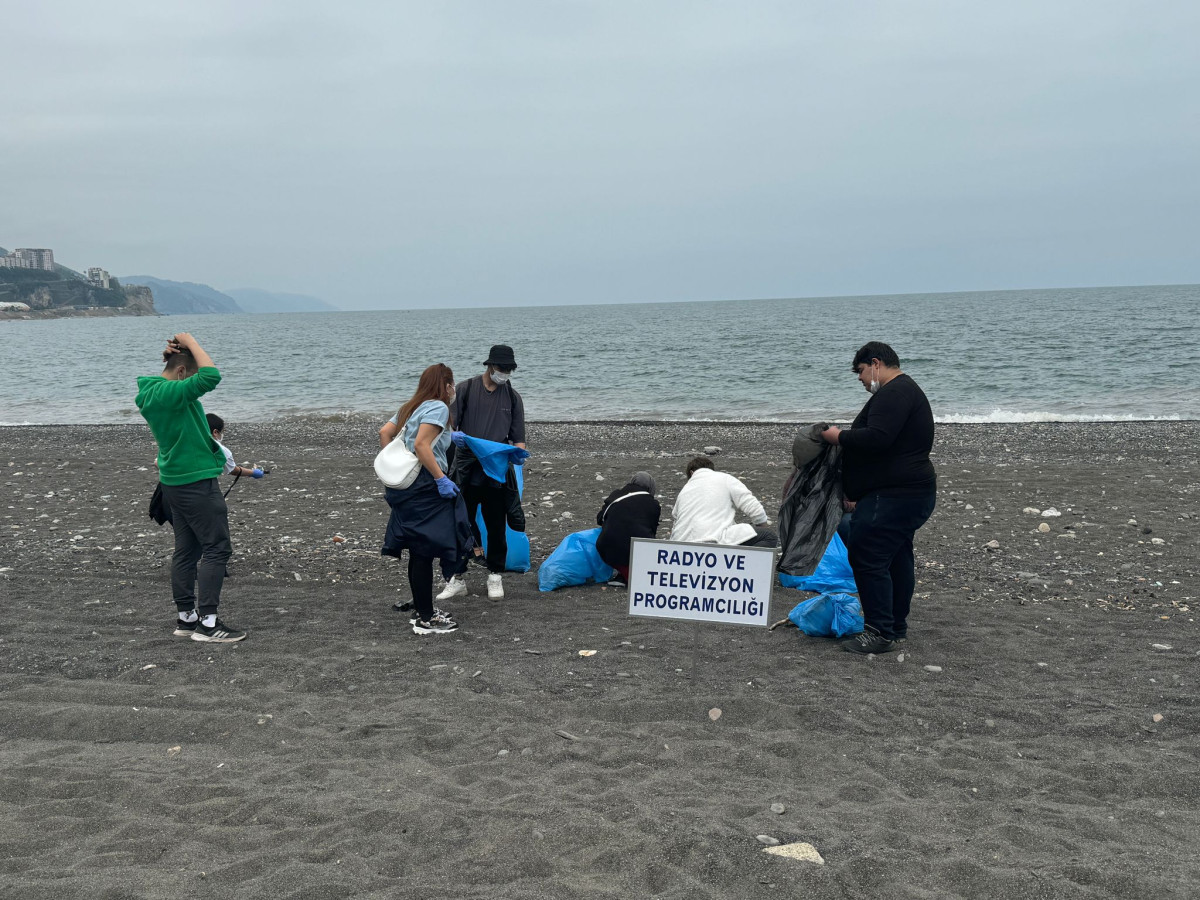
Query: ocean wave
(1009, 416)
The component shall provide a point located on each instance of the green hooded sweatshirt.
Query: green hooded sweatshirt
(186, 450)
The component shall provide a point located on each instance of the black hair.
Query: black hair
(215, 422)
(875, 350)
(699, 462)
(182, 358)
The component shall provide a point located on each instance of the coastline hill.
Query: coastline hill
(253, 300)
(178, 298)
(64, 292)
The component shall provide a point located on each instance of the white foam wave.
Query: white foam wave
(1009, 416)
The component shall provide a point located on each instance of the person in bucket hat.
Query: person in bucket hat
(486, 406)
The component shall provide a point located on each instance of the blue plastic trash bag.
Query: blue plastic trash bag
(574, 561)
(847, 615)
(495, 457)
(517, 559)
(828, 615)
(833, 572)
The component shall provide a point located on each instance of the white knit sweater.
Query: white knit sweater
(705, 509)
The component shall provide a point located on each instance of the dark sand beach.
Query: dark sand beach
(336, 754)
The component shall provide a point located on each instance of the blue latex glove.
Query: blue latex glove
(256, 472)
(458, 438)
(446, 487)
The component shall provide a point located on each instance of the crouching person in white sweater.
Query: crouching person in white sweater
(708, 504)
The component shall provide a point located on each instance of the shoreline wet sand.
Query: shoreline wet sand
(336, 754)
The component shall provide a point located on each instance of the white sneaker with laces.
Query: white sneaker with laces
(455, 587)
(495, 587)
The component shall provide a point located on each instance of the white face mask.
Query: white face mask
(500, 377)
(873, 387)
(450, 399)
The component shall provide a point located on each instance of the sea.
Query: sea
(1104, 354)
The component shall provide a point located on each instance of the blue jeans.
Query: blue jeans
(881, 555)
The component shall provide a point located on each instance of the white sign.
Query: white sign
(701, 582)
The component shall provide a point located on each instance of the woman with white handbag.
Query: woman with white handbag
(429, 518)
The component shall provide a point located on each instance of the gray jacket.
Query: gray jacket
(812, 502)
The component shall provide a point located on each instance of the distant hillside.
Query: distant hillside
(253, 300)
(57, 294)
(178, 298)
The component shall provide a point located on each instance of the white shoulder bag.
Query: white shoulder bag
(396, 465)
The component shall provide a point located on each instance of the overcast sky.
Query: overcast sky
(500, 153)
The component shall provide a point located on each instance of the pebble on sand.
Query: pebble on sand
(712, 450)
(992, 545)
(778, 808)
(798, 851)
(587, 652)
(1044, 528)
(1157, 717)
(174, 751)
(767, 839)
(1050, 513)
(933, 668)
(1032, 511)
(714, 713)
(1162, 646)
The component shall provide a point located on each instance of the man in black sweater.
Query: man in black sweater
(891, 487)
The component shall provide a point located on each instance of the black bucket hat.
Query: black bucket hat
(501, 355)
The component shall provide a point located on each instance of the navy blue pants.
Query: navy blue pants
(881, 555)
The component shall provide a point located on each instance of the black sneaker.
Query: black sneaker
(869, 641)
(219, 633)
(185, 629)
(437, 611)
(439, 624)
(403, 605)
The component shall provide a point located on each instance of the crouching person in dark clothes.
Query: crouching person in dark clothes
(889, 479)
(629, 512)
(189, 461)
(429, 518)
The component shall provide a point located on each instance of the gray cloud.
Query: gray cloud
(397, 154)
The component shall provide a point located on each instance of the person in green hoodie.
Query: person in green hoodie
(189, 462)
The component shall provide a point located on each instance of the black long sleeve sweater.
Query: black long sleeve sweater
(887, 447)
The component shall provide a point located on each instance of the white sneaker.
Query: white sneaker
(495, 587)
(455, 587)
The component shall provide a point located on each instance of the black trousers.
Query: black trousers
(201, 522)
(881, 555)
(763, 537)
(420, 579)
(493, 499)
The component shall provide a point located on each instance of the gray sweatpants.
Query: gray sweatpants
(201, 522)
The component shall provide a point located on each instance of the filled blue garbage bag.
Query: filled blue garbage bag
(833, 572)
(574, 561)
(828, 615)
(517, 558)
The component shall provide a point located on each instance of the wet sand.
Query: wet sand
(336, 754)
